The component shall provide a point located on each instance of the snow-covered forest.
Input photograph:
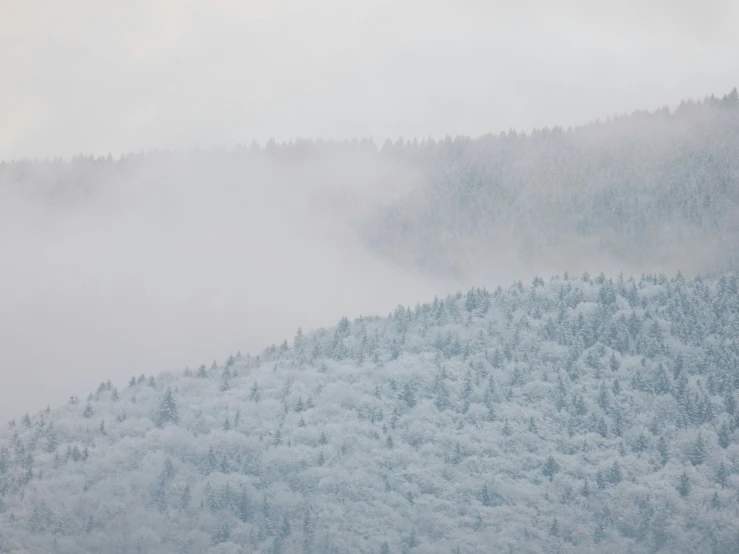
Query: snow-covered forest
(591, 406)
(579, 413)
(650, 190)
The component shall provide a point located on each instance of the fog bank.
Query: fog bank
(169, 260)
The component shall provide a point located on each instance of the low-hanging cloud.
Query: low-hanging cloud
(169, 260)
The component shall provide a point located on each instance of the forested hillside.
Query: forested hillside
(650, 190)
(573, 415)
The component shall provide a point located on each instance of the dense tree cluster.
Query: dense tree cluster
(653, 189)
(570, 415)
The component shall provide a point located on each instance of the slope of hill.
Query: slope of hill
(650, 190)
(568, 416)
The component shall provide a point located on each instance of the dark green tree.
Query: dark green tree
(485, 496)
(223, 534)
(167, 409)
(285, 530)
(664, 450)
(600, 480)
(507, 431)
(641, 443)
(722, 476)
(683, 485)
(408, 395)
(697, 452)
(243, 510)
(724, 435)
(614, 474)
(550, 468)
(185, 497)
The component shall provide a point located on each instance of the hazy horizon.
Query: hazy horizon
(128, 281)
(124, 77)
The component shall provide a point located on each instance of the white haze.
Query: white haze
(180, 262)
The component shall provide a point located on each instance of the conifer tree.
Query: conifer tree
(550, 468)
(722, 476)
(683, 486)
(485, 496)
(697, 453)
(167, 409)
(724, 435)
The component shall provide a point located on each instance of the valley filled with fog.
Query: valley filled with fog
(164, 260)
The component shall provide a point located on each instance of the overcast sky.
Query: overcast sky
(181, 265)
(113, 76)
